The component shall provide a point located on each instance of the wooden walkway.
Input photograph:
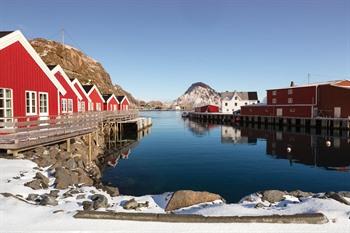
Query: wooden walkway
(25, 134)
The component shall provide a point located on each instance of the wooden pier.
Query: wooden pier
(317, 122)
(23, 134)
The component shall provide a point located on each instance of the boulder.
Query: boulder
(344, 194)
(337, 197)
(99, 201)
(54, 193)
(185, 198)
(70, 164)
(48, 200)
(133, 204)
(87, 205)
(33, 197)
(34, 184)
(44, 179)
(80, 196)
(65, 178)
(85, 180)
(112, 191)
(272, 196)
(300, 194)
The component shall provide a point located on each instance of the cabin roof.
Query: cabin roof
(5, 33)
(243, 95)
(120, 98)
(87, 87)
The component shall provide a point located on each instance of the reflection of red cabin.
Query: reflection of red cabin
(111, 103)
(95, 96)
(123, 102)
(70, 102)
(27, 87)
(85, 102)
(328, 99)
(207, 108)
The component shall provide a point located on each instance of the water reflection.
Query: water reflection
(329, 152)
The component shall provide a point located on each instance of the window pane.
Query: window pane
(8, 113)
(1, 103)
(2, 113)
(8, 93)
(8, 103)
(1, 93)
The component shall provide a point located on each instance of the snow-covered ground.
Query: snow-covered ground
(19, 216)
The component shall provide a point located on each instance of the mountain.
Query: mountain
(196, 95)
(78, 65)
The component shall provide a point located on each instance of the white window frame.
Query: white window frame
(290, 100)
(70, 106)
(82, 106)
(64, 106)
(98, 107)
(6, 118)
(90, 106)
(31, 113)
(290, 91)
(47, 106)
(274, 101)
(274, 92)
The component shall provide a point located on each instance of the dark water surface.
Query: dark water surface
(232, 162)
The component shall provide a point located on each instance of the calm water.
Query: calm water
(180, 154)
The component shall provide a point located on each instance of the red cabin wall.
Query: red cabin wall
(300, 95)
(109, 106)
(207, 108)
(81, 92)
(70, 94)
(95, 98)
(19, 72)
(330, 97)
(124, 105)
(287, 111)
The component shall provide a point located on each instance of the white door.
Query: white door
(337, 112)
(279, 112)
(43, 106)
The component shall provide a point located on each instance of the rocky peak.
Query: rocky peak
(78, 65)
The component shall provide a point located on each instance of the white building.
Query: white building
(232, 101)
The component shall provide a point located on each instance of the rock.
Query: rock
(86, 180)
(112, 191)
(185, 198)
(344, 194)
(99, 201)
(57, 211)
(87, 205)
(34, 184)
(48, 200)
(338, 197)
(130, 204)
(65, 178)
(80, 196)
(43, 178)
(259, 205)
(46, 153)
(33, 197)
(70, 164)
(272, 196)
(299, 193)
(54, 193)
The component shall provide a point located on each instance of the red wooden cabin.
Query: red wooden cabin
(85, 103)
(207, 108)
(123, 102)
(327, 99)
(27, 87)
(111, 102)
(95, 96)
(71, 101)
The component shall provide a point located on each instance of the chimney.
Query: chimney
(292, 83)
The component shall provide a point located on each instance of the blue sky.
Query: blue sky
(156, 49)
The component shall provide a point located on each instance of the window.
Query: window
(82, 106)
(31, 103)
(90, 106)
(70, 105)
(274, 92)
(290, 91)
(290, 100)
(235, 104)
(64, 106)
(236, 97)
(226, 104)
(245, 103)
(43, 103)
(5, 105)
(274, 101)
(292, 110)
(98, 106)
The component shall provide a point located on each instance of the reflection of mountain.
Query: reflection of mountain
(305, 148)
(200, 128)
(230, 134)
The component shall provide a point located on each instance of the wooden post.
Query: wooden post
(68, 145)
(90, 148)
(96, 135)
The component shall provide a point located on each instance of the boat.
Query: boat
(185, 114)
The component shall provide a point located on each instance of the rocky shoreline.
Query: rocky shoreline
(58, 177)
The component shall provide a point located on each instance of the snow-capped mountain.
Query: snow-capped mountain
(198, 94)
